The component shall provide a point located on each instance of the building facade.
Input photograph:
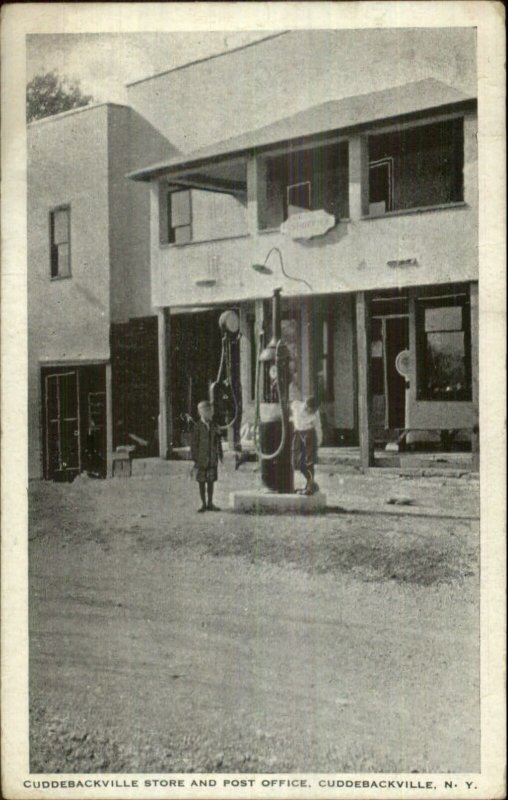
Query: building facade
(90, 319)
(362, 207)
(352, 188)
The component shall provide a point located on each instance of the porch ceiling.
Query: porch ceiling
(228, 176)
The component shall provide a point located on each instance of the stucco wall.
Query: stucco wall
(243, 90)
(129, 201)
(353, 256)
(69, 317)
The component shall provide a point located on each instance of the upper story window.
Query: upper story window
(206, 205)
(416, 167)
(298, 197)
(444, 347)
(305, 180)
(60, 242)
(179, 217)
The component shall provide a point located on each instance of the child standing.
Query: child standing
(206, 451)
(307, 438)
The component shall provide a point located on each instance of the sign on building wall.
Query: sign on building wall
(308, 224)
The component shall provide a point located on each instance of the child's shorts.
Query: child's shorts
(206, 474)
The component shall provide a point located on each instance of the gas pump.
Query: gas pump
(272, 434)
(224, 396)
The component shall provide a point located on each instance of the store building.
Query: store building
(362, 208)
(92, 333)
(352, 188)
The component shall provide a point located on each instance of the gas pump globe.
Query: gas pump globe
(272, 428)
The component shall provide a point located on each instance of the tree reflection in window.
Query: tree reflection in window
(445, 349)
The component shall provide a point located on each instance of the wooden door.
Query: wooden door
(63, 447)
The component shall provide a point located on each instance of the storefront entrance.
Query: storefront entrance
(74, 403)
(195, 359)
(389, 337)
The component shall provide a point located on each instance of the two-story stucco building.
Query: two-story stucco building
(310, 160)
(92, 333)
(355, 185)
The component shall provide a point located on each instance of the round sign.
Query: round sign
(229, 321)
(403, 363)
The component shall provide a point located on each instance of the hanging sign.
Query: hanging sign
(308, 224)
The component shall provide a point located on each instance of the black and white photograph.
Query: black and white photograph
(254, 437)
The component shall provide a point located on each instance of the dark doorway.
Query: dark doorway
(396, 340)
(389, 337)
(74, 421)
(196, 354)
(135, 378)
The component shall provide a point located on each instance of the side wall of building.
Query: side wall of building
(68, 317)
(129, 202)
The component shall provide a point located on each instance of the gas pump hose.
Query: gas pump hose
(278, 451)
(217, 381)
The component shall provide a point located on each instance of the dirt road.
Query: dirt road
(166, 641)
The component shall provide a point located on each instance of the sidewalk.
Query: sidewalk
(453, 464)
(381, 492)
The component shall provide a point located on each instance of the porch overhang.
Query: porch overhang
(346, 114)
(229, 177)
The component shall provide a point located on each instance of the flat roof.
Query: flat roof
(76, 110)
(333, 115)
(208, 58)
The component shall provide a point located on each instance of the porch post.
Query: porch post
(259, 320)
(255, 173)
(307, 376)
(245, 356)
(109, 421)
(364, 394)
(358, 177)
(165, 422)
(475, 436)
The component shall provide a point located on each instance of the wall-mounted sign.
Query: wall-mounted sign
(308, 224)
(403, 363)
(403, 262)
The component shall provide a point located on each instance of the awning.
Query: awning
(334, 115)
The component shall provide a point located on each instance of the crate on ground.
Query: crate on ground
(122, 461)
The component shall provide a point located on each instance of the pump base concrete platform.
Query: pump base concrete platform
(255, 501)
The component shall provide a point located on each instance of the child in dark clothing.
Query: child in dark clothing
(206, 451)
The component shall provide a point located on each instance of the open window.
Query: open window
(416, 167)
(298, 198)
(380, 186)
(60, 242)
(179, 217)
(305, 180)
(444, 345)
(205, 205)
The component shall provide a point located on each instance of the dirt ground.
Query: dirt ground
(163, 640)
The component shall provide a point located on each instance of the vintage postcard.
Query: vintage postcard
(253, 384)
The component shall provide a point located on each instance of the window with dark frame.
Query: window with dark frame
(416, 167)
(380, 186)
(444, 348)
(60, 242)
(179, 217)
(306, 180)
